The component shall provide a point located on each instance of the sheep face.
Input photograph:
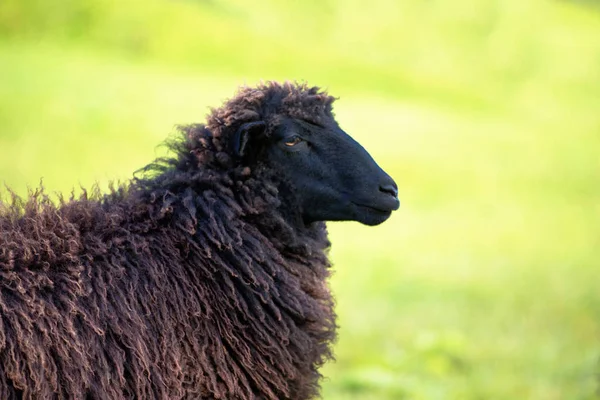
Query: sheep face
(329, 175)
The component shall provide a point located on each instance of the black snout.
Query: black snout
(389, 188)
(388, 195)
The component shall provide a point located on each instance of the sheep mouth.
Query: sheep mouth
(373, 215)
(380, 208)
(370, 215)
(371, 208)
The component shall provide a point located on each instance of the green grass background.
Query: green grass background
(484, 285)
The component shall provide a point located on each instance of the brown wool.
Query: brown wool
(185, 283)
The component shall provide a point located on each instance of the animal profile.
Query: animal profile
(205, 276)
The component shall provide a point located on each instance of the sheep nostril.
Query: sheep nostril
(390, 189)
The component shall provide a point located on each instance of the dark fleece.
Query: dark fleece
(191, 281)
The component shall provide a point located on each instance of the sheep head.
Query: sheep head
(289, 128)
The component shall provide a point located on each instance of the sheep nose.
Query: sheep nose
(389, 188)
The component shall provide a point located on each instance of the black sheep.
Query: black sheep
(205, 277)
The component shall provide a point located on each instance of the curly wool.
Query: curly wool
(190, 282)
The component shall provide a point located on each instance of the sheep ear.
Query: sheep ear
(243, 134)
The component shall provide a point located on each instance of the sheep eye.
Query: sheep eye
(294, 140)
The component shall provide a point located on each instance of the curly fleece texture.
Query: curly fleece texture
(191, 281)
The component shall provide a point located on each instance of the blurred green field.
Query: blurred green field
(484, 285)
